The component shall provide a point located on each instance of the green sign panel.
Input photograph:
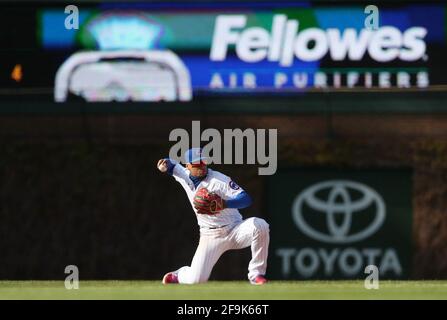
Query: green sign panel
(332, 224)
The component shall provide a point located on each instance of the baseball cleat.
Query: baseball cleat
(259, 280)
(170, 277)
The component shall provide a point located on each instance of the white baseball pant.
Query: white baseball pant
(213, 243)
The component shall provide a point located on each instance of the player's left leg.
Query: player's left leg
(252, 232)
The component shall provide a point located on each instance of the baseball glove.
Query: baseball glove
(207, 202)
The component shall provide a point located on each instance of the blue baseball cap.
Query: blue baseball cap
(194, 155)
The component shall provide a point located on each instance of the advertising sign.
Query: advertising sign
(231, 48)
(331, 224)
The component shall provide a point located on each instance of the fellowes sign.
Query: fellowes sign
(262, 48)
(284, 42)
(337, 224)
(300, 54)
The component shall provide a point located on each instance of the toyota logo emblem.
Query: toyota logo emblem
(338, 202)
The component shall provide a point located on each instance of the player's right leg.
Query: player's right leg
(208, 252)
(253, 232)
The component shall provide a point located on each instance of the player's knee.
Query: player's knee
(261, 226)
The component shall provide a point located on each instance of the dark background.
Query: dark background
(83, 188)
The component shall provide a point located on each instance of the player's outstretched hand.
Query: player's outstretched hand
(162, 165)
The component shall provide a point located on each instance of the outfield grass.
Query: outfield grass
(224, 290)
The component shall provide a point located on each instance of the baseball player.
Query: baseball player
(215, 199)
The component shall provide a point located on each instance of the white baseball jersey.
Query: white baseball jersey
(213, 182)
